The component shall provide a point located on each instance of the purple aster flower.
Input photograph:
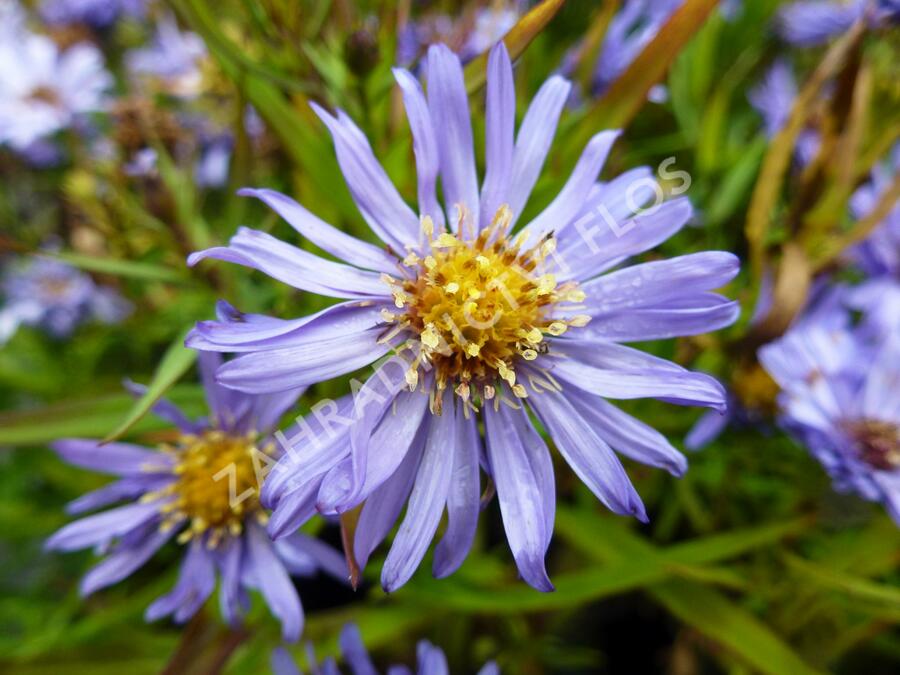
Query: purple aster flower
(430, 659)
(173, 60)
(813, 22)
(631, 29)
(203, 488)
(773, 98)
(879, 254)
(97, 13)
(491, 24)
(478, 325)
(841, 399)
(43, 89)
(55, 297)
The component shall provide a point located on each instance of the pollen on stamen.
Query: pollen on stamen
(476, 307)
(215, 486)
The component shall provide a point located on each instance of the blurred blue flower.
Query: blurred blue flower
(468, 37)
(43, 89)
(431, 660)
(631, 29)
(813, 22)
(203, 487)
(481, 324)
(879, 254)
(54, 297)
(97, 13)
(172, 61)
(773, 98)
(841, 399)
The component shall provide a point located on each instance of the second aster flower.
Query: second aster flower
(480, 325)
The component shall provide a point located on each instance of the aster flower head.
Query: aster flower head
(55, 297)
(813, 22)
(773, 98)
(44, 89)
(841, 399)
(96, 13)
(879, 254)
(630, 30)
(430, 660)
(475, 324)
(173, 60)
(202, 490)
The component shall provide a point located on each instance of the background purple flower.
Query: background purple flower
(97, 13)
(43, 89)
(173, 59)
(55, 297)
(204, 489)
(841, 399)
(430, 659)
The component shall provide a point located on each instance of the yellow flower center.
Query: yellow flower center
(478, 306)
(216, 486)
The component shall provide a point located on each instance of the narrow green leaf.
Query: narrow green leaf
(716, 617)
(123, 268)
(88, 418)
(854, 586)
(174, 363)
(516, 41)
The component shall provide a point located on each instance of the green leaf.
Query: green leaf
(716, 617)
(854, 586)
(88, 418)
(123, 268)
(516, 40)
(174, 363)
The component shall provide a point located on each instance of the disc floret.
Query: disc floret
(478, 306)
(216, 486)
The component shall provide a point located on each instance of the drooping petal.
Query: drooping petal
(271, 578)
(116, 458)
(463, 500)
(294, 267)
(377, 199)
(500, 122)
(123, 562)
(383, 506)
(230, 560)
(327, 237)
(126, 489)
(323, 556)
(101, 527)
(427, 500)
(448, 105)
(354, 651)
(430, 660)
(588, 454)
(542, 466)
(533, 140)
(425, 145)
(521, 502)
(294, 508)
(392, 438)
(196, 582)
(627, 435)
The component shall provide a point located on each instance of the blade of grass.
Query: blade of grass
(174, 363)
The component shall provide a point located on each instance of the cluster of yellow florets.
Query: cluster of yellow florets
(216, 486)
(477, 306)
